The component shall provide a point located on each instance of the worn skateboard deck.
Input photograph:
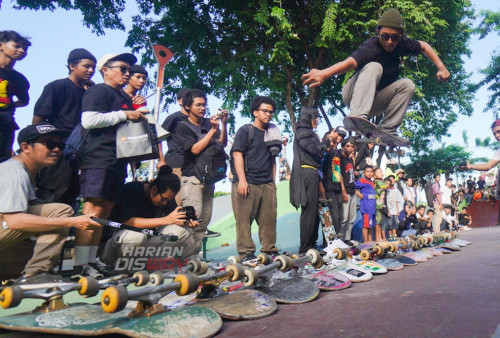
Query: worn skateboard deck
(355, 273)
(295, 290)
(329, 280)
(450, 247)
(416, 256)
(433, 251)
(443, 250)
(391, 264)
(458, 242)
(425, 253)
(326, 220)
(405, 260)
(242, 304)
(91, 320)
(355, 123)
(374, 267)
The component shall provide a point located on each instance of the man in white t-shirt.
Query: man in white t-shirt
(495, 128)
(22, 216)
(446, 192)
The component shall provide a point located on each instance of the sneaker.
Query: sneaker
(85, 270)
(39, 278)
(210, 233)
(466, 228)
(250, 256)
(104, 269)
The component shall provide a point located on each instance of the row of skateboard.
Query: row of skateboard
(205, 293)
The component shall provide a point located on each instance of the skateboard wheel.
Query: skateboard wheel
(194, 265)
(379, 251)
(203, 268)
(286, 262)
(315, 256)
(422, 241)
(89, 287)
(393, 247)
(10, 297)
(340, 253)
(294, 256)
(319, 264)
(114, 299)
(365, 255)
(234, 259)
(237, 270)
(250, 277)
(156, 278)
(189, 283)
(142, 278)
(263, 259)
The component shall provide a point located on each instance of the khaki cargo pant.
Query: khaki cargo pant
(47, 250)
(260, 205)
(201, 197)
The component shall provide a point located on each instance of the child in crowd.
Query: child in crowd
(464, 220)
(368, 202)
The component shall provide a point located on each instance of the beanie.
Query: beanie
(391, 18)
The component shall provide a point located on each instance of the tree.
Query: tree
(237, 49)
(489, 24)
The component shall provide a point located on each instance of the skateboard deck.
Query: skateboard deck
(450, 247)
(355, 273)
(425, 253)
(458, 242)
(355, 123)
(85, 319)
(433, 251)
(374, 267)
(295, 290)
(242, 304)
(405, 260)
(391, 264)
(326, 220)
(415, 256)
(329, 280)
(443, 250)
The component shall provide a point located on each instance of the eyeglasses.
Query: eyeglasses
(123, 69)
(265, 111)
(200, 105)
(393, 37)
(51, 145)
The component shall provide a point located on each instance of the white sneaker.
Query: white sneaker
(466, 228)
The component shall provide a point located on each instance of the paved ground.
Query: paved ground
(456, 295)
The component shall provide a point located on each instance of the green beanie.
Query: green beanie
(391, 18)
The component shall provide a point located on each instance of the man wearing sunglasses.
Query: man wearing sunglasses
(22, 216)
(376, 88)
(102, 175)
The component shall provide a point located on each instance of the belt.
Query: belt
(308, 166)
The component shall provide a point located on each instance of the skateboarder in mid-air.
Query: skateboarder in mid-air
(375, 88)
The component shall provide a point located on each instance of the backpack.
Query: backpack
(429, 195)
(210, 165)
(251, 135)
(74, 145)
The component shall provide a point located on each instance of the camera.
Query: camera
(190, 213)
(219, 113)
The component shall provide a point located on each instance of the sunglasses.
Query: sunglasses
(123, 69)
(51, 145)
(393, 37)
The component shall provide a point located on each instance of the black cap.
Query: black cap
(138, 69)
(34, 131)
(80, 53)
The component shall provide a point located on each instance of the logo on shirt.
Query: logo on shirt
(4, 98)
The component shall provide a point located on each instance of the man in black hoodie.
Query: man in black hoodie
(308, 152)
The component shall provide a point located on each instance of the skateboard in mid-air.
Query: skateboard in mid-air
(365, 127)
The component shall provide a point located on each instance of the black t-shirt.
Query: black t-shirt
(61, 104)
(258, 159)
(347, 170)
(372, 51)
(12, 83)
(99, 150)
(328, 171)
(186, 138)
(135, 203)
(174, 156)
(470, 184)
(481, 184)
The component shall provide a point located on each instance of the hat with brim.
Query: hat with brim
(35, 131)
(125, 57)
(399, 171)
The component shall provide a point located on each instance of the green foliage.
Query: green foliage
(238, 49)
(487, 142)
(444, 160)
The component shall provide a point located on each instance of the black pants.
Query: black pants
(6, 142)
(309, 218)
(335, 207)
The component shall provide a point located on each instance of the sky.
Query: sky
(55, 34)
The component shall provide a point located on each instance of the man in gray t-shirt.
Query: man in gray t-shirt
(21, 217)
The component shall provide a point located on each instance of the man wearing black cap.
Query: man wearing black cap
(20, 217)
(375, 87)
(102, 175)
(308, 153)
(61, 105)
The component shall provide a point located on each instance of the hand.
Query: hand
(84, 222)
(176, 217)
(160, 164)
(345, 197)
(243, 189)
(322, 193)
(192, 223)
(314, 78)
(139, 100)
(214, 121)
(443, 75)
(440, 207)
(333, 136)
(225, 116)
(134, 115)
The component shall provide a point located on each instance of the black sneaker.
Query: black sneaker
(210, 233)
(104, 269)
(249, 257)
(85, 270)
(39, 278)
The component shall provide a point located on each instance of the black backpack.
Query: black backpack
(428, 193)
(74, 145)
(211, 163)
